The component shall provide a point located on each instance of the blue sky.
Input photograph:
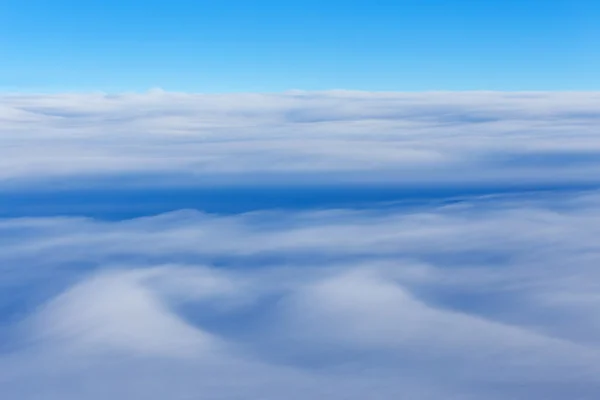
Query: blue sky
(264, 45)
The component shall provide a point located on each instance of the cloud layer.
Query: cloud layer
(337, 135)
(489, 298)
(331, 291)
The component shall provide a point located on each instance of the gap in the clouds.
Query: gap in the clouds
(121, 203)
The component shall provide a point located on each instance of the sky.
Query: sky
(273, 46)
(233, 200)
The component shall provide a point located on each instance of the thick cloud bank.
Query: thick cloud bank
(336, 245)
(357, 136)
(491, 298)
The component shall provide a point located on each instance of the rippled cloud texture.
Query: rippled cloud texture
(486, 297)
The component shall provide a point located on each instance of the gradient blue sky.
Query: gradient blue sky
(266, 45)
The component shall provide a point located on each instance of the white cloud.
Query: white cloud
(470, 136)
(487, 298)
(115, 311)
(493, 298)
